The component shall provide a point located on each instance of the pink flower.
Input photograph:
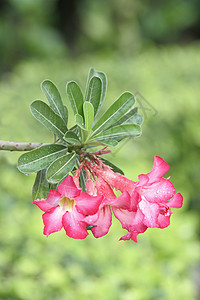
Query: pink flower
(151, 200)
(102, 220)
(154, 196)
(67, 207)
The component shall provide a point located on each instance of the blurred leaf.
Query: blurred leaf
(41, 186)
(88, 111)
(110, 164)
(75, 97)
(114, 112)
(45, 115)
(59, 169)
(71, 137)
(121, 132)
(94, 93)
(54, 98)
(102, 76)
(40, 158)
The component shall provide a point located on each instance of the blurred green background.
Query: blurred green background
(151, 48)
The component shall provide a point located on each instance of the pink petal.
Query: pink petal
(43, 204)
(68, 188)
(163, 221)
(123, 201)
(134, 231)
(126, 236)
(86, 204)
(143, 179)
(103, 223)
(135, 197)
(176, 201)
(90, 187)
(125, 217)
(103, 188)
(118, 181)
(53, 198)
(74, 225)
(150, 212)
(160, 167)
(53, 220)
(159, 192)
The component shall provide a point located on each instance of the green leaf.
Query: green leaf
(66, 113)
(102, 76)
(41, 186)
(71, 137)
(45, 115)
(88, 111)
(54, 98)
(110, 164)
(79, 121)
(75, 97)
(112, 143)
(59, 169)
(40, 158)
(121, 132)
(94, 93)
(115, 112)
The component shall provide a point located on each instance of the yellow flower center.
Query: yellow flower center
(67, 204)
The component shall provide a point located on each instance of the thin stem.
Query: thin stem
(19, 146)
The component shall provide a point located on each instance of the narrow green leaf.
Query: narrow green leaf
(88, 111)
(71, 137)
(94, 93)
(45, 115)
(41, 186)
(102, 76)
(59, 169)
(79, 121)
(75, 97)
(110, 164)
(112, 143)
(66, 113)
(121, 132)
(40, 158)
(54, 98)
(114, 112)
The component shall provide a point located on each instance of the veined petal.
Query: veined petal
(86, 204)
(118, 181)
(160, 167)
(159, 191)
(74, 225)
(53, 220)
(150, 212)
(176, 201)
(134, 231)
(43, 204)
(68, 188)
(104, 189)
(103, 223)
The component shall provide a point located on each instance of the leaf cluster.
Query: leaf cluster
(52, 162)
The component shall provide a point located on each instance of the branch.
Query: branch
(15, 146)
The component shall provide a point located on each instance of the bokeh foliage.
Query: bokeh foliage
(140, 45)
(163, 264)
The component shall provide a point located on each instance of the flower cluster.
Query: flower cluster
(142, 204)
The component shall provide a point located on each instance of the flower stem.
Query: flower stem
(19, 146)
